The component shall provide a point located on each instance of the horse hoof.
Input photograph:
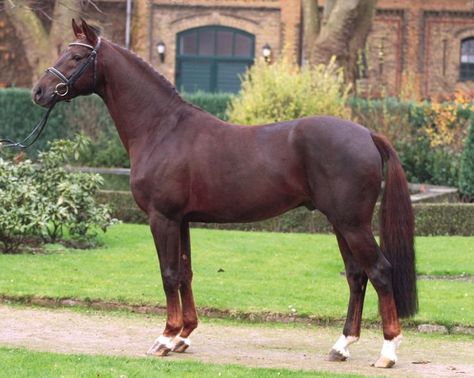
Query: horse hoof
(334, 355)
(180, 347)
(161, 347)
(162, 352)
(181, 344)
(384, 363)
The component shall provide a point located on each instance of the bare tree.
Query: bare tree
(42, 40)
(342, 32)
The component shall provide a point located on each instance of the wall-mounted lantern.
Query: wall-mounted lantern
(161, 48)
(267, 53)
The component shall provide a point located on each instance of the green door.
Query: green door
(212, 58)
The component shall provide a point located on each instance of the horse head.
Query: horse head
(75, 71)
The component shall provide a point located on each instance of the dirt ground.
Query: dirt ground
(66, 331)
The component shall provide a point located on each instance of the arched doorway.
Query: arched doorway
(211, 58)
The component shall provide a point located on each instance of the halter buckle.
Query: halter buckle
(61, 89)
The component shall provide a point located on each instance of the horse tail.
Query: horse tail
(397, 226)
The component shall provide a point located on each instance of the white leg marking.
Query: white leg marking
(342, 344)
(162, 340)
(389, 348)
(185, 340)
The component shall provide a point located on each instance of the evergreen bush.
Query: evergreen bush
(41, 201)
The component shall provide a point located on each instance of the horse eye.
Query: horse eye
(77, 58)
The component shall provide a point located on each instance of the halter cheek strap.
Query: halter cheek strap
(62, 88)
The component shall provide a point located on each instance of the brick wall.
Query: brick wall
(443, 34)
(411, 40)
(260, 18)
(430, 34)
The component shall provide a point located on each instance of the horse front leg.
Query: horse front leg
(357, 280)
(190, 319)
(166, 234)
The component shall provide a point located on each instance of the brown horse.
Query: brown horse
(187, 165)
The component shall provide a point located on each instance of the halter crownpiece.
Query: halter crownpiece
(62, 88)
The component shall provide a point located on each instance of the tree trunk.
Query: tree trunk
(311, 27)
(344, 30)
(33, 35)
(41, 47)
(61, 33)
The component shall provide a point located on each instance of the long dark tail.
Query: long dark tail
(397, 226)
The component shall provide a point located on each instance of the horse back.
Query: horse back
(212, 171)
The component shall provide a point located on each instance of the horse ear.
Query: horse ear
(89, 32)
(77, 29)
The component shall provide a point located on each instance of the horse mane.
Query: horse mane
(164, 82)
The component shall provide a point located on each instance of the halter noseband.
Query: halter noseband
(62, 88)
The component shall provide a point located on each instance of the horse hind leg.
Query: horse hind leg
(369, 257)
(357, 280)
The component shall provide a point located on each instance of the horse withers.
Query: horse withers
(187, 165)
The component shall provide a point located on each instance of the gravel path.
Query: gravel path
(66, 331)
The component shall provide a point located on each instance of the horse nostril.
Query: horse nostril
(38, 93)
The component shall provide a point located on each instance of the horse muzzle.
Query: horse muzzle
(42, 96)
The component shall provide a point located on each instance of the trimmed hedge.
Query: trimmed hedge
(18, 116)
(431, 218)
(214, 103)
(422, 163)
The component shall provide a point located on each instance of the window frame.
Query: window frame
(466, 69)
(214, 59)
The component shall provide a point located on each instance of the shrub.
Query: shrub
(466, 180)
(447, 123)
(428, 135)
(282, 91)
(44, 199)
(21, 214)
(425, 164)
(389, 116)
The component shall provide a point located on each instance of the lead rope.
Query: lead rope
(34, 135)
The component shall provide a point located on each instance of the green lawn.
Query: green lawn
(262, 272)
(23, 363)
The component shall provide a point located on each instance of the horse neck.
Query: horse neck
(137, 97)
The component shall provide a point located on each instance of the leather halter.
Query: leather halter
(62, 88)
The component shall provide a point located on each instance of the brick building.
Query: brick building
(424, 45)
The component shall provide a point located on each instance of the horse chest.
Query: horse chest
(159, 191)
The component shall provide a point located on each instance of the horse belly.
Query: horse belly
(246, 202)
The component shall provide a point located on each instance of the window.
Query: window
(212, 58)
(467, 59)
